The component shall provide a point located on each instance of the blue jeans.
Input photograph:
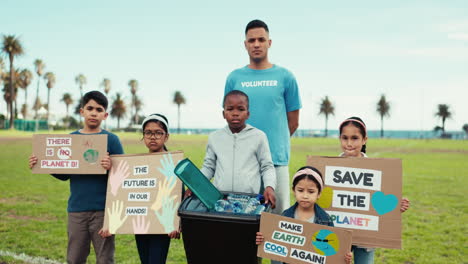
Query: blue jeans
(363, 255)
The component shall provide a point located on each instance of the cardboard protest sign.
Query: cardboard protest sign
(143, 194)
(69, 154)
(363, 195)
(294, 241)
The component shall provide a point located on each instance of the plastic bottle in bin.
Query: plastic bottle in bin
(223, 206)
(260, 208)
(261, 198)
(251, 206)
(241, 204)
(237, 207)
(243, 199)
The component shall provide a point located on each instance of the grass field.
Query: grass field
(33, 207)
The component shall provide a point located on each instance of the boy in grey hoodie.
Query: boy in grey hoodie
(238, 156)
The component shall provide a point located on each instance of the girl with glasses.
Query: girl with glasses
(153, 248)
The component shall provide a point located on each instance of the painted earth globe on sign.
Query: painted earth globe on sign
(325, 242)
(91, 155)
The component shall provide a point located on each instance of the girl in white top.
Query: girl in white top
(353, 139)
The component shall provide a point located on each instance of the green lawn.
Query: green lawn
(33, 207)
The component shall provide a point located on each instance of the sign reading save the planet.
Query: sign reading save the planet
(294, 241)
(363, 195)
(69, 154)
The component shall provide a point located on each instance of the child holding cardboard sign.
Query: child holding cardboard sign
(88, 191)
(153, 248)
(307, 186)
(353, 139)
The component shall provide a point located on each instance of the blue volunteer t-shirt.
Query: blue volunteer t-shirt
(272, 93)
(88, 191)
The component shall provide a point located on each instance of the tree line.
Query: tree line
(383, 110)
(15, 79)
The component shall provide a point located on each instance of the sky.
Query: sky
(413, 52)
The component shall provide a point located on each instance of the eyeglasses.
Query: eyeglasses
(157, 134)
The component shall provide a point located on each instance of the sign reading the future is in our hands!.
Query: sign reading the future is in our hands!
(143, 194)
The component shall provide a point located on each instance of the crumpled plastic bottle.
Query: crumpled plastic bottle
(251, 206)
(260, 208)
(237, 207)
(223, 206)
(241, 204)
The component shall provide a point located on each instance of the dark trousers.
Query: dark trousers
(153, 248)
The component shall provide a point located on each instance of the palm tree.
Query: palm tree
(2, 67)
(443, 113)
(7, 95)
(80, 79)
(118, 109)
(465, 128)
(133, 89)
(39, 65)
(68, 100)
(326, 109)
(50, 77)
(2, 70)
(178, 100)
(383, 108)
(12, 46)
(137, 104)
(25, 78)
(106, 83)
(37, 105)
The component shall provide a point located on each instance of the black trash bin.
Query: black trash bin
(217, 237)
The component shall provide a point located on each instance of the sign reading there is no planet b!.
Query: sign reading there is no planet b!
(69, 154)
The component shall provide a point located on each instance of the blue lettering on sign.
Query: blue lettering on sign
(275, 249)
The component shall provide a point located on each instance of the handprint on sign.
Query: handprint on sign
(115, 222)
(166, 218)
(139, 226)
(168, 168)
(165, 206)
(117, 176)
(164, 190)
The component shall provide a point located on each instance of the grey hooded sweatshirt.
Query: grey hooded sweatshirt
(240, 161)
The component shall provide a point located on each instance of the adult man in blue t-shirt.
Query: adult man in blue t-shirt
(274, 102)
